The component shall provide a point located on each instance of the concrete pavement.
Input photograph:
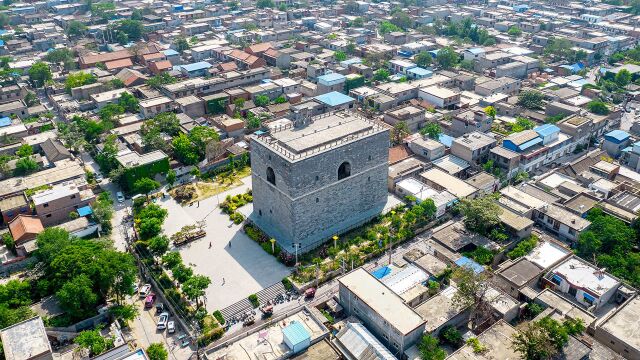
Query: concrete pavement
(236, 271)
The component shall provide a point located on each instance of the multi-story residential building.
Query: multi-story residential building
(591, 287)
(474, 120)
(384, 312)
(55, 205)
(152, 107)
(440, 97)
(473, 147)
(410, 115)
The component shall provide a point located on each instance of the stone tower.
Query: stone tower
(318, 177)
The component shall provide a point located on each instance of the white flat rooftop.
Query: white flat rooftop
(583, 275)
(546, 254)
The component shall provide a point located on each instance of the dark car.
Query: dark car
(159, 308)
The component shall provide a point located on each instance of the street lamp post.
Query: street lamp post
(335, 241)
(273, 245)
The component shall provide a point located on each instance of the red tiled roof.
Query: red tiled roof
(25, 228)
(230, 66)
(153, 56)
(399, 153)
(160, 65)
(117, 64)
(105, 57)
(259, 48)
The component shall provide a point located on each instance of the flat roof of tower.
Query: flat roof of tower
(322, 133)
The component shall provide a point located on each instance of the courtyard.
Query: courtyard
(235, 271)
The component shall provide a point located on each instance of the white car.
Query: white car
(145, 290)
(120, 197)
(162, 321)
(98, 177)
(171, 327)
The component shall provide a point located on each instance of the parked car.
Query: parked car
(120, 197)
(144, 290)
(149, 300)
(159, 308)
(171, 327)
(98, 177)
(135, 287)
(162, 322)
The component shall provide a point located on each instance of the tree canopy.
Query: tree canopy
(531, 99)
(447, 57)
(40, 73)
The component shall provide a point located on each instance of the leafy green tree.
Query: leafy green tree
(171, 177)
(61, 55)
(77, 298)
(524, 247)
(531, 99)
(399, 132)
(388, 27)
(182, 273)
(4, 20)
(381, 75)
(161, 79)
(261, 4)
(194, 287)
(10, 316)
(156, 351)
(423, 59)
(471, 293)
(78, 79)
(122, 38)
(145, 185)
(598, 107)
(623, 78)
(340, 56)
(514, 31)
(357, 22)
(132, 28)
(467, 65)
(185, 150)
(447, 57)
(124, 313)
(92, 340)
(432, 130)
(490, 111)
(481, 214)
(25, 166)
(402, 20)
(24, 150)
(159, 245)
(108, 113)
(171, 259)
(76, 28)
(128, 102)
(430, 349)
(181, 44)
(261, 100)
(136, 14)
(40, 73)
(31, 99)
(15, 293)
(559, 48)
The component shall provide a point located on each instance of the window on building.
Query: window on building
(271, 176)
(344, 170)
(45, 205)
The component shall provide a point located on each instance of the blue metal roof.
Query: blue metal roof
(470, 264)
(296, 333)
(5, 121)
(445, 140)
(354, 60)
(381, 272)
(202, 65)
(334, 98)
(1, 42)
(420, 71)
(171, 52)
(546, 129)
(530, 143)
(476, 51)
(616, 136)
(331, 77)
(85, 211)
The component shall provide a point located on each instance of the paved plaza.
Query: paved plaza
(236, 271)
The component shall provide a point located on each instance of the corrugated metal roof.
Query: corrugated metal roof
(296, 333)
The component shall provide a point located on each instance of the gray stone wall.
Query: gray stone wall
(309, 204)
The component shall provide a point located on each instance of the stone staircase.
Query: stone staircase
(244, 305)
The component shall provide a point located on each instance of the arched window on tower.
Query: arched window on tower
(271, 176)
(344, 170)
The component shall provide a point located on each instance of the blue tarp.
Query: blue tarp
(85, 211)
(470, 264)
(5, 121)
(296, 333)
(381, 272)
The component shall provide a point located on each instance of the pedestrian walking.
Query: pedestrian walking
(223, 281)
(209, 244)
